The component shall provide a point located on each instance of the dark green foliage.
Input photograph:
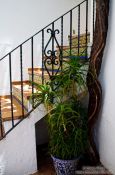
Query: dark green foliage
(66, 118)
(68, 131)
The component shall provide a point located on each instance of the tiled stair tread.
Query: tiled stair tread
(6, 109)
(35, 70)
(19, 82)
(38, 71)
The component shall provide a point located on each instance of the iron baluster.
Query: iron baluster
(21, 74)
(42, 56)
(53, 53)
(1, 125)
(61, 54)
(86, 25)
(70, 32)
(78, 29)
(32, 63)
(32, 72)
(11, 95)
(93, 16)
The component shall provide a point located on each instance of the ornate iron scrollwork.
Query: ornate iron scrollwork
(52, 61)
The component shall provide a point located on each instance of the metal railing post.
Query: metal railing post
(11, 93)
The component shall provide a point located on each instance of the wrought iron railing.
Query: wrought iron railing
(51, 41)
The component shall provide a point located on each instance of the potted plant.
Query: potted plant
(66, 116)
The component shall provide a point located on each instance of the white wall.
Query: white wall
(106, 124)
(18, 149)
(20, 20)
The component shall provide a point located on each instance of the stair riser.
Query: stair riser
(82, 40)
(74, 51)
(37, 78)
(17, 94)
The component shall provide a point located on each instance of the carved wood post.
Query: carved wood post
(94, 87)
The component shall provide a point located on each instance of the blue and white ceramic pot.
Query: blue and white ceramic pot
(65, 167)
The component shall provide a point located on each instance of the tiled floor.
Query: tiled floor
(46, 168)
(45, 165)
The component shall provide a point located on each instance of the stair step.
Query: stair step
(74, 47)
(82, 39)
(38, 70)
(27, 91)
(74, 50)
(6, 108)
(93, 170)
(37, 73)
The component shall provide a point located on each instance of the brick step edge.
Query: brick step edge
(91, 170)
(93, 167)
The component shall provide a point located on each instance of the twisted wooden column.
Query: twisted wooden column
(94, 87)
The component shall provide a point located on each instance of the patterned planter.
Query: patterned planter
(65, 167)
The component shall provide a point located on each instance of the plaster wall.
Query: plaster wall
(18, 149)
(21, 19)
(105, 128)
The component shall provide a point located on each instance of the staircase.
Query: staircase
(15, 104)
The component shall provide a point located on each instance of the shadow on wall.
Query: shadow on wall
(41, 132)
(41, 141)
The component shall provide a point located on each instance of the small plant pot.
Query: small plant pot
(65, 167)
